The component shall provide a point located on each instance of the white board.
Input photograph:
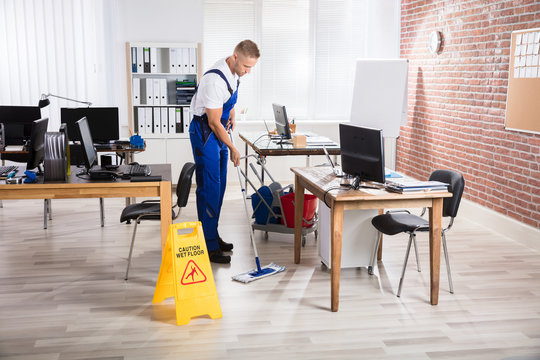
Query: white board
(380, 94)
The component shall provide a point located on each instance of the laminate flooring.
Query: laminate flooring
(63, 295)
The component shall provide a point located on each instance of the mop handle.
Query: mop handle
(247, 212)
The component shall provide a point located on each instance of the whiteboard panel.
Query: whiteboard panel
(380, 94)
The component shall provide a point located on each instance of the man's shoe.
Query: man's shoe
(217, 256)
(224, 246)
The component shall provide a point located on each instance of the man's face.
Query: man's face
(242, 64)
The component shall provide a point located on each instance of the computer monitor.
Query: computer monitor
(103, 122)
(18, 122)
(37, 144)
(282, 122)
(89, 151)
(362, 153)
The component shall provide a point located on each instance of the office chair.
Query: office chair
(394, 222)
(150, 209)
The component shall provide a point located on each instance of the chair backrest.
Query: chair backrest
(184, 184)
(457, 184)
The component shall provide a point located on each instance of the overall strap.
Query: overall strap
(220, 73)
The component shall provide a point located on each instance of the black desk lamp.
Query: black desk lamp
(44, 101)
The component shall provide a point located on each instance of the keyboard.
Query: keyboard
(5, 170)
(138, 170)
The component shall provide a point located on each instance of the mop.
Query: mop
(259, 272)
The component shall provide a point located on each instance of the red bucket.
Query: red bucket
(310, 206)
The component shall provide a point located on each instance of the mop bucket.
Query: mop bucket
(310, 206)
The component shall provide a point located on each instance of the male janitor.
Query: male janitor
(212, 107)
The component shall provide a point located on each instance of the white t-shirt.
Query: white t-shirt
(213, 92)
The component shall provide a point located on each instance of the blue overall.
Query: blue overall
(211, 157)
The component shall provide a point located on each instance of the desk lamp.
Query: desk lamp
(44, 101)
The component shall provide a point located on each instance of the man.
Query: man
(212, 107)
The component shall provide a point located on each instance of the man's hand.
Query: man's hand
(231, 124)
(235, 156)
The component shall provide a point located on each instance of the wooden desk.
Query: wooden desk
(76, 188)
(319, 180)
(263, 146)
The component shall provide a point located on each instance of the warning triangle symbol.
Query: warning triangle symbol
(192, 274)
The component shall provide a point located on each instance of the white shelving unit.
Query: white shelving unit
(157, 74)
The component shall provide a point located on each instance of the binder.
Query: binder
(171, 121)
(185, 60)
(156, 88)
(172, 60)
(186, 119)
(178, 120)
(148, 120)
(153, 60)
(146, 60)
(157, 121)
(179, 60)
(141, 123)
(136, 88)
(192, 60)
(140, 60)
(164, 123)
(149, 91)
(163, 96)
(133, 59)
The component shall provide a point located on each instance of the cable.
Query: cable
(327, 191)
(259, 138)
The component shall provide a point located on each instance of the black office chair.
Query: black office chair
(394, 222)
(150, 209)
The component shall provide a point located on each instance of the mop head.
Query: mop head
(254, 274)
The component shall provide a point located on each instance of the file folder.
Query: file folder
(133, 59)
(148, 120)
(146, 60)
(136, 88)
(164, 123)
(171, 121)
(141, 123)
(156, 88)
(172, 60)
(163, 96)
(140, 60)
(186, 119)
(153, 60)
(179, 61)
(178, 119)
(157, 121)
(192, 60)
(149, 91)
(185, 61)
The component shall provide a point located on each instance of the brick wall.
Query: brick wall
(457, 102)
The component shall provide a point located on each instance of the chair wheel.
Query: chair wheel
(266, 235)
(370, 270)
(316, 234)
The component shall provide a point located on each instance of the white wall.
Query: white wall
(152, 21)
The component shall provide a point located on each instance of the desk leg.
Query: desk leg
(435, 225)
(165, 207)
(298, 212)
(379, 250)
(336, 230)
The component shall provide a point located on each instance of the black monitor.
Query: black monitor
(362, 153)
(18, 122)
(103, 122)
(282, 122)
(89, 151)
(37, 144)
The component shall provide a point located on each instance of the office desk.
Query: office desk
(319, 180)
(76, 188)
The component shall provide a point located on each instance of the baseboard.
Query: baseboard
(505, 225)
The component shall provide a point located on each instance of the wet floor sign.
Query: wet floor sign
(186, 274)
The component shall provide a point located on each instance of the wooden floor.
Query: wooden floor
(62, 295)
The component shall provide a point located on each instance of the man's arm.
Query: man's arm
(231, 124)
(214, 121)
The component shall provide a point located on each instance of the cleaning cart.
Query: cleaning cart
(273, 205)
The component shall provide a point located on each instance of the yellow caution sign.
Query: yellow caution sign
(186, 274)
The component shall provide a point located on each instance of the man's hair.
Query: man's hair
(247, 48)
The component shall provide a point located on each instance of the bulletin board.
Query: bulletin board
(523, 98)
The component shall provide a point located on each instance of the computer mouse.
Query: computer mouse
(126, 176)
(134, 163)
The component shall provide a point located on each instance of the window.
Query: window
(308, 49)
